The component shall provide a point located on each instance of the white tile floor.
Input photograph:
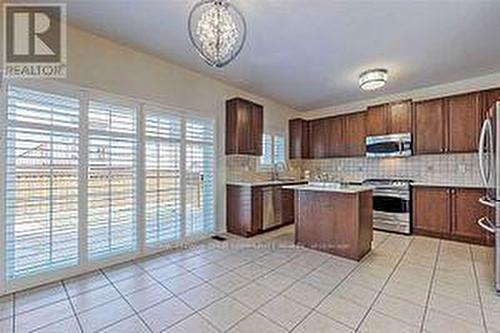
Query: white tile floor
(265, 285)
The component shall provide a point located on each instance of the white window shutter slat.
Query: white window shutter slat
(41, 182)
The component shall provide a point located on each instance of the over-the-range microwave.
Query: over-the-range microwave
(393, 145)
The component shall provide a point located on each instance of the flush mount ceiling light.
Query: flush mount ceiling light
(373, 79)
(217, 30)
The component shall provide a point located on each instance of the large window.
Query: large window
(200, 161)
(163, 178)
(41, 194)
(89, 178)
(111, 179)
(273, 150)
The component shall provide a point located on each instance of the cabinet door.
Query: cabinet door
(244, 127)
(355, 132)
(466, 212)
(298, 138)
(376, 120)
(430, 121)
(431, 210)
(317, 138)
(399, 115)
(489, 98)
(464, 122)
(287, 206)
(335, 137)
(256, 128)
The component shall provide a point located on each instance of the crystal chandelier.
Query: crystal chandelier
(217, 30)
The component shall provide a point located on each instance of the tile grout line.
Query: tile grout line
(377, 296)
(296, 281)
(336, 287)
(275, 296)
(431, 286)
(478, 288)
(174, 295)
(126, 301)
(287, 260)
(72, 306)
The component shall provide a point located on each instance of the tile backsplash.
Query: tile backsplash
(440, 169)
(453, 169)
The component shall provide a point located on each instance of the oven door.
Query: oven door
(391, 213)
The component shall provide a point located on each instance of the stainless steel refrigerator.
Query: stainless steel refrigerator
(489, 165)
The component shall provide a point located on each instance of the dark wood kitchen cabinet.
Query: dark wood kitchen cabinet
(355, 132)
(489, 98)
(389, 118)
(450, 213)
(317, 139)
(298, 133)
(463, 122)
(246, 207)
(399, 117)
(467, 210)
(244, 210)
(448, 125)
(244, 127)
(431, 210)
(430, 127)
(376, 120)
(335, 136)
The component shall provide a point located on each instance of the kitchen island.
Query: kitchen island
(334, 219)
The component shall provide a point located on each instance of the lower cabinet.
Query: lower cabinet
(450, 213)
(248, 207)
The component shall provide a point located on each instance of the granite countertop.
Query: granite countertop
(435, 184)
(347, 189)
(268, 183)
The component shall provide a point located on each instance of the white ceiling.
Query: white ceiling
(308, 53)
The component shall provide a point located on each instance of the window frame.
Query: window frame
(266, 166)
(84, 265)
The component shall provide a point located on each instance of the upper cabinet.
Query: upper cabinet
(335, 145)
(355, 132)
(490, 97)
(389, 118)
(298, 132)
(464, 122)
(244, 127)
(429, 120)
(441, 125)
(317, 138)
(399, 117)
(448, 125)
(376, 120)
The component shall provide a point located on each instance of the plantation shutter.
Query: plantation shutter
(163, 179)
(41, 186)
(199, 176)
(111, 179)
(279, 149)
(267, 150)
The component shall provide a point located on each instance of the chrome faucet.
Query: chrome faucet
(277, 168)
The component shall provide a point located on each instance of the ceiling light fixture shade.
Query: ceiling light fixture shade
(373, 79)
(217, 30)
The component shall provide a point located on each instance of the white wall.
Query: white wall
(472, 84)
(98, 63)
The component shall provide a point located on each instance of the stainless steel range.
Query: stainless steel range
(391, 204)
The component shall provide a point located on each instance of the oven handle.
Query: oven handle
(485, 223)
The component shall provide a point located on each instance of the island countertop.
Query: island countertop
(325, 188)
